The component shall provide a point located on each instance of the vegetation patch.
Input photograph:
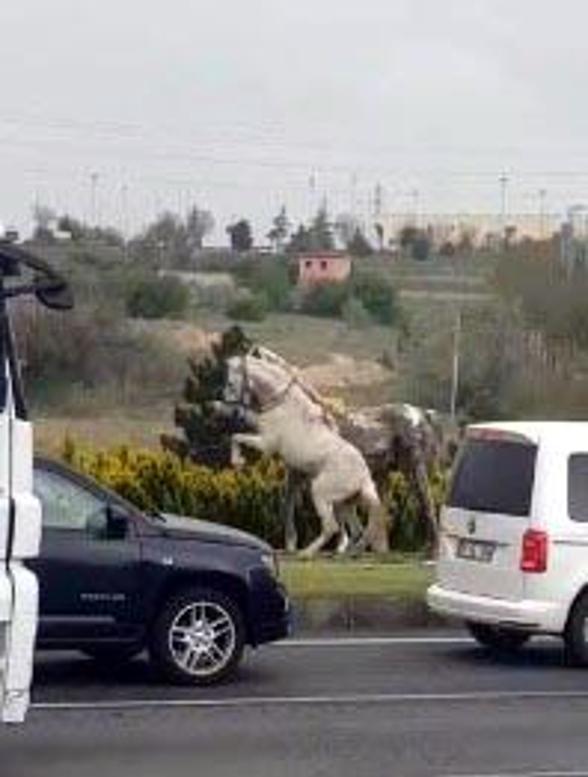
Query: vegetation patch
(250, 499)
(396, 577)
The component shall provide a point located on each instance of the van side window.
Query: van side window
(578, 487)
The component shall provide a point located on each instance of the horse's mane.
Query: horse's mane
(270, 358)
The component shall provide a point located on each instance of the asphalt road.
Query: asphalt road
(347, 708)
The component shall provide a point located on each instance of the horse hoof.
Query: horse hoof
(344, 546)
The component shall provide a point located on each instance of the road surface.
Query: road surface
(421, 705)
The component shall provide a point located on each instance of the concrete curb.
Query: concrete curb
(363, 614)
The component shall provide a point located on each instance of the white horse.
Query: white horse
(294, 425)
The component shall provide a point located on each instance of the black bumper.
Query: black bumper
(270, 616)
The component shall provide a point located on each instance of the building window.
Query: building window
(308, 264)
(323, 264)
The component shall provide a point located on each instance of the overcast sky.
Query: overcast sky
(243, 105)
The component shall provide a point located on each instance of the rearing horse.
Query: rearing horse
(293, 425)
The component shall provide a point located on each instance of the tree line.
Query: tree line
(174, 240)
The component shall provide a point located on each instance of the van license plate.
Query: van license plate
(476, 551)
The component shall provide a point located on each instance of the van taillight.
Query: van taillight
(534, 551)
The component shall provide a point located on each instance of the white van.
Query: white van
(513, 555)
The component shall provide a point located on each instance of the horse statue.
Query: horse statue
(291, 420)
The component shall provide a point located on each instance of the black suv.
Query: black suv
(115, 580)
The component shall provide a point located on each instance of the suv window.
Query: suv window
(66, 505)
(494, 476)
(578, 487)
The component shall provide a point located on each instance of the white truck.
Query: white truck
(21, 274)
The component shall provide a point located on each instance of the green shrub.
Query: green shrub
(252, 307)
(409, 528)
(377, 294)
(250, 499)
(157, 297)
(355, 314)
(90, 353)
(325, 300)
(269, 276)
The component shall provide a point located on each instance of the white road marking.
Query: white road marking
(360, 641)
(523, 774)
(342, 699)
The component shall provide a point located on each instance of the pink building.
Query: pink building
(323, 267)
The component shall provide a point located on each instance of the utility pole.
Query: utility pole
(124, 206)
(503, 180)
(124, 209)
(93, 199)
(415, 205)
(312, 192)
(455, 365)
(353, 195)
(378, 200)
(542, 196)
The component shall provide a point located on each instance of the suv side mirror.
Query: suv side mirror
(117, 522)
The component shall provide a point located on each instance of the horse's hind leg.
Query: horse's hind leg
(350, 526)
(376, 531)
(329, 524)
(294, 485)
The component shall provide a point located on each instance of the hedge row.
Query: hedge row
(250, 499)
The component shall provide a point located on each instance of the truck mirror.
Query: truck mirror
(56, 297)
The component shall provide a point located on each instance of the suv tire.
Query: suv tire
(576, 633)
(496, 638)
(198, 637)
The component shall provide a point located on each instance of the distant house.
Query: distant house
(323, 267)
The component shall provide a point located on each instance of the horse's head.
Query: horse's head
(253, 382)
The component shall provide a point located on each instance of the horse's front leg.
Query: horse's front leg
(254, 441)
(226, 411)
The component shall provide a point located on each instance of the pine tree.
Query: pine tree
(321, 231)
(204, 434)
(359, 244)
(280, 230)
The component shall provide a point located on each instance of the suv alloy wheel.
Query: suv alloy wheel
(198, 637)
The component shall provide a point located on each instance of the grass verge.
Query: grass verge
(396, 577)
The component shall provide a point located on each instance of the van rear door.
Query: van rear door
(487, 514)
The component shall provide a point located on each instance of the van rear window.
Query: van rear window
(494, 476)
(578, 487)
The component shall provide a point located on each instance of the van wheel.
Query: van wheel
(198, 637)
(496, 638)
(576, 634)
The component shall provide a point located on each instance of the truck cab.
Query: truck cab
(20, 512)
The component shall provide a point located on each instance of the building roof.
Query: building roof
(324, 255)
